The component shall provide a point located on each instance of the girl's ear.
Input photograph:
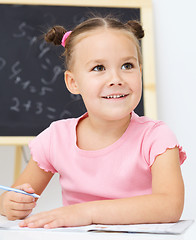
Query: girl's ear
(141, 69)
(71, 83)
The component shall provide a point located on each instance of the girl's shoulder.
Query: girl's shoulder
(63, 123)
(57, 130)
(69, 124)
(153, 131)
(155, 137)
(144, 122)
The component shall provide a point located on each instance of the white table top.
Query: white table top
(189, 234)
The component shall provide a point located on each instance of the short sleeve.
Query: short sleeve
(158, 139)
(40, 148)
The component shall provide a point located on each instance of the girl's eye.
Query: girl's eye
(98, 68)
(127, 66)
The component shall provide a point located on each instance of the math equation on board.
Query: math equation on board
(32, 83)
(39, 89)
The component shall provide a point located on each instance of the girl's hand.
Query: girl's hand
(16, 205)
(69, 216)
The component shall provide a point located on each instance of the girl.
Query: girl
(115, 167)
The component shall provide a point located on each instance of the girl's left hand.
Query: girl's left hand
(69, 216)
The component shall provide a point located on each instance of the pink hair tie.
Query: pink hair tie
(65, 36)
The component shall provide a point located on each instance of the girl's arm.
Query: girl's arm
(35, 176)
(165, 204)
(33, 179)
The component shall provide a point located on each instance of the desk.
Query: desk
(189, 234)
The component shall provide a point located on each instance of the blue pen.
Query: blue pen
(19, 191)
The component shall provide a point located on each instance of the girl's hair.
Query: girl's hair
(132, 27)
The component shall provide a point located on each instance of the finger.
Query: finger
(55, 224)
(21, 214)
(37, 218)
(37, 222)
(26, 187)
(22, 206)
(21, 198)
(18, 215)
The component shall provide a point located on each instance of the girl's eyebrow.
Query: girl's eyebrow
(96, 61)
(128, 58)
(101, 60)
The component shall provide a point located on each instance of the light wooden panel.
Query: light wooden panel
(84, 3)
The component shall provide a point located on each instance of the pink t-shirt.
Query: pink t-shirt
(120, 170)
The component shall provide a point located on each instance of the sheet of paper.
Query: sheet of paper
(169, 228)
(163, 228)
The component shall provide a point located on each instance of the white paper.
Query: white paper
(169, 228)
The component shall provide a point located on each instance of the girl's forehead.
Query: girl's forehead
(105, 33)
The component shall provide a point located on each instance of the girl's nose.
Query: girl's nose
(112, 84)
(115, 79)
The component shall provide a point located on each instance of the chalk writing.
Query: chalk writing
(32, 73)
(27, 105)
(52, 110)
(38, 107)
(32, 40)
(44, 48)
(15, 106)
(65, 114)
(48, 62)
(15, 70)
(32, 89)
(56, 71)
(23, 30)
(25, 84)
(17, 80)
(2, 63)
(44, 90)
(40, 88)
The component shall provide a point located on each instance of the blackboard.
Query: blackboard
(32, 88)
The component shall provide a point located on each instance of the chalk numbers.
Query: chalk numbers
(16, 105)
(34, 103)
(38, 108)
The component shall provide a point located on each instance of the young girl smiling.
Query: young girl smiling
(115, 167)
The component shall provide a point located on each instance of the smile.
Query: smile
(116, 96)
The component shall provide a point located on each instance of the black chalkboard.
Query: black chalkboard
(32, 88)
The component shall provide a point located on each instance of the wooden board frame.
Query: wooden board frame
(149, 88)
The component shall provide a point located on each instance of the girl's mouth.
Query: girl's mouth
(114, 96)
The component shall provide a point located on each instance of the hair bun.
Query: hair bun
(136, 28)
(55, 35)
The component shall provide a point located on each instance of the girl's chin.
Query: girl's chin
(116, 115)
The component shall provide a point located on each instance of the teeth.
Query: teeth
(115, 96)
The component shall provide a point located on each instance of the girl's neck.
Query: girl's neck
(110, 126)
(94, 134)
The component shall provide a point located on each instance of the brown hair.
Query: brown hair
(55, 34)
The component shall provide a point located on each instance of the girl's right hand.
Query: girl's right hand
(17, 205)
